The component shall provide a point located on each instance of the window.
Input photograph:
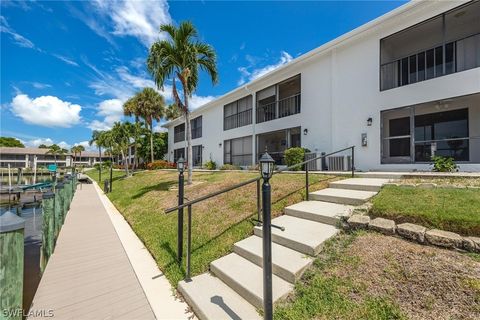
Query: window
(238, 113)
(238, 151)
(179, 153)
(196, 125)
(197, 155)
(442, 133)
(179, 133)
(400, 137)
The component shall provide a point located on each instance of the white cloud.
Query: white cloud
(158, 128)
(250, 73)
(18, 38)
(198, 101)
(39, 141)
(63, 144)
(39, 85)
(48, 111)
(111, 110)
(86, 145)
(140, 19)
(66, 60)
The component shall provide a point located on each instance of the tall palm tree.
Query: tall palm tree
(78, 149)
(55, 150)
(149, 105)
(96, 140)
(121, 133)
(180, 58)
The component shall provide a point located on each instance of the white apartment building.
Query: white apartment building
(400, 88)
(37, 157)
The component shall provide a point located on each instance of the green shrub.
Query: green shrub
(294, 156)
(230, 167)
(160, 164)
(444, 164)
(210, 165)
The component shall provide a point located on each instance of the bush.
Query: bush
(444, 164)
(161, 164)
(294, 156)
(210, 165)
(230, 167)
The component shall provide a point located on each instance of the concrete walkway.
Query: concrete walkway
(90, 276)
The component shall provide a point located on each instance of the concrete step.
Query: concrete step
(301, 235)
(319, 211)
(364, 184)
(288, 264)
(246, 278)
(210, 298)
(343, 196)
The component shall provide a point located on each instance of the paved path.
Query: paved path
(89, 276)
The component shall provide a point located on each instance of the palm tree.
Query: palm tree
(78, 149)
(172, 112)
(149, 105)
(121, 133)
(180, 58)
(56, 150)
(96, 140)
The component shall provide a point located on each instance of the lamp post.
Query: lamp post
(266, 169)
(180, 168)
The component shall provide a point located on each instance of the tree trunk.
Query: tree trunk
(189, 142)
(151, 140)
(125, 163)
(100, 159)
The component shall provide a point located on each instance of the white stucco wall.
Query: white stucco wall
(339, 92)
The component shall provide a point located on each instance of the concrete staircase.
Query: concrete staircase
(234, 287)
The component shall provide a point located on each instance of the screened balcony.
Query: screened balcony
(437, 47)
(278, 101)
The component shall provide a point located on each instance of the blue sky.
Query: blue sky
(67, 67)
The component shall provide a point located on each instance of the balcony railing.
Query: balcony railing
(240, 119)
(179, 136)
(455, 56)
(196, 133)
(286, 107)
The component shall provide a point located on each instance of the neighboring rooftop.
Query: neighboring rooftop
(40, 151)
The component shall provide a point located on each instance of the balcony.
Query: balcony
(179, 136)
(279, 109)
(442, 45)
(240, 119)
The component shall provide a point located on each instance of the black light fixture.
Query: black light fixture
(180, 165)
(305, 131)
(266, 166)
(369, 121)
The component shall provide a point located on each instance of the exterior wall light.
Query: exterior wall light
(266, 166)
(305, 131)
(180, 165)
(369, 121)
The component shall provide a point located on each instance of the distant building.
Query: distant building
(29, 157)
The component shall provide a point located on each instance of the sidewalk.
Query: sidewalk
(90, 274)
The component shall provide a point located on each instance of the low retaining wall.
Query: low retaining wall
(414, 232)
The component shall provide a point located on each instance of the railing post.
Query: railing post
(306, 182)
(180, 217)
(189, 240)
(259, 203)
(353, 161)
(267, 250)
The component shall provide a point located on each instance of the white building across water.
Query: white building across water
(400, 88)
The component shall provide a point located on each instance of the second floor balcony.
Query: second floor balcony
(278, 109)
(440, 46)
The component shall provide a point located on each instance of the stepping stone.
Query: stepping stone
(301, 235)
(288, 264)
(343, 196)
(319, 211)
(210, 298)
(246, 278)
(364, 184)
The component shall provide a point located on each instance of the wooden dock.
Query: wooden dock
(89, 276)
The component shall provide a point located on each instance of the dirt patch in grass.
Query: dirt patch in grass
(445, 181)
(426, 282)
(372, 276)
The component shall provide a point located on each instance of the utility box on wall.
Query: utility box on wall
(364, 140)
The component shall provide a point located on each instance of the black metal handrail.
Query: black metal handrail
(189, 203)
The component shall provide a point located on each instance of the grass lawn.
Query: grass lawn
(371, 276)
(217, 223)
(451, 209)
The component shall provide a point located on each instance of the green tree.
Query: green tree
(11, 142)
(160, 146)
(96, 140)
(43, 146)
(121, 134)
(181, 57)
(173, 112)
(78, 149)
(56, 150)
(149, 105)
